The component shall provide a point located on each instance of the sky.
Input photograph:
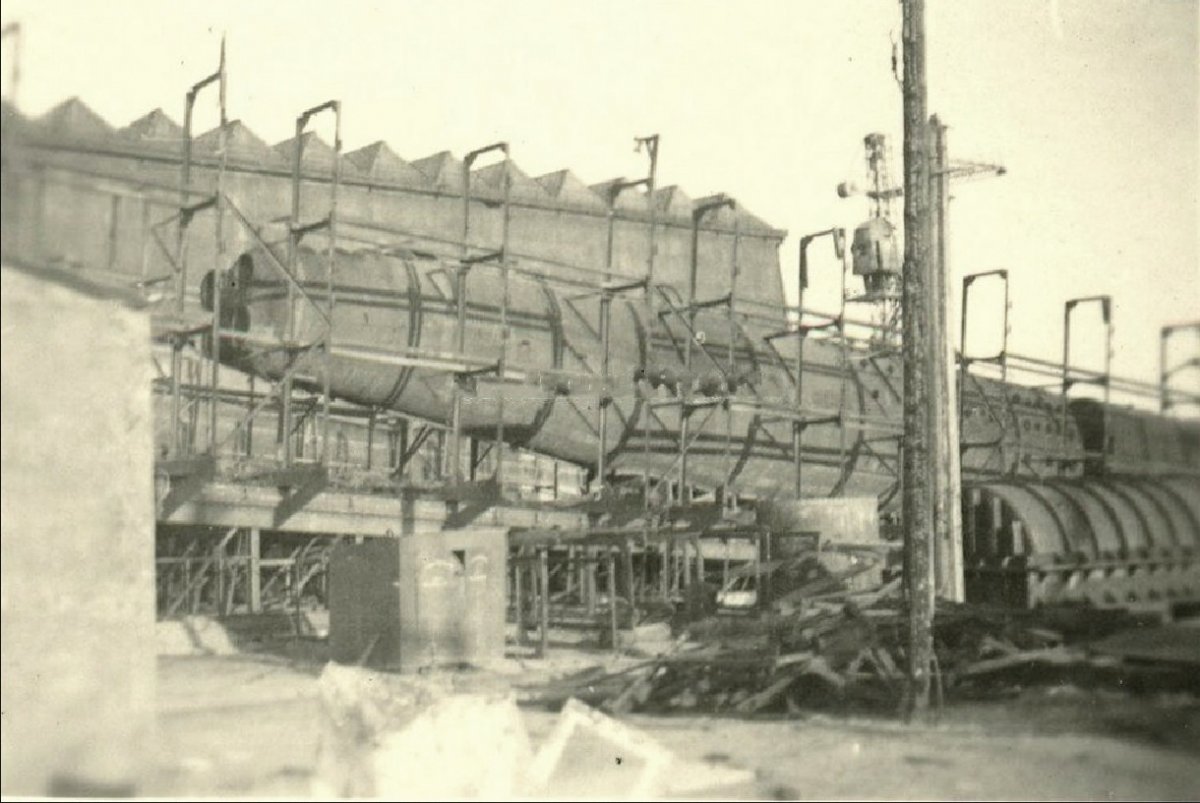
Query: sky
(1093, 106)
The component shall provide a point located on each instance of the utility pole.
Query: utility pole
(919, 378)
(948, 480)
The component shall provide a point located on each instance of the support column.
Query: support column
(919, 381)
(255, 571)
(519, 598)
(612, 599)
(544, 613)
(627, 567)
(220, 567)
(948, 488)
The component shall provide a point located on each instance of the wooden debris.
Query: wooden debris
(842, 648)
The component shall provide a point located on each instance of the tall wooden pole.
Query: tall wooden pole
(919, 379)
(948, 530)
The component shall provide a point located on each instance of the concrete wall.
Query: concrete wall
(77, 538)
(841, 520)
(421, 600)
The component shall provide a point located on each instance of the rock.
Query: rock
(595, 756)
(464, 746)
(416, 737)
(192, 635)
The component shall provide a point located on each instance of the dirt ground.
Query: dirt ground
(247, 725)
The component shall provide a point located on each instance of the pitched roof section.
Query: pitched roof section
(242, 144)
(628, 199)
(488, 182)
(74, 119)
(317, 155)
(750, 222)
(719, 217)
(726, 218)
(380, 162)
(672, 202)
(441, 170)
(567, 189)
(155, 129)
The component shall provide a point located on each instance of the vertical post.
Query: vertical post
(759, 595)
(248, 429)
(768, 556)
(571, 570)
(1105, 379)
(255, 571)
(219, 263)
(612, 599)
(725, 564)
(948, 503)
(1163, 376)
(798, 422)
(519, 597)
(330, 270)
(611, 227)
(664, 577)
(453, 457)
(731, 385)
(1068, 306)
(603, 401)
(685, 562)
(114, 218)
(454, 452)
(219, 567)
(293, 264)
(685, 411)
(544, 599)
(1107, 312)
(627, 569)
(650, 143)
(502, 363)
(370, 437)
(593, 563)
(917, 499)
(185, 182)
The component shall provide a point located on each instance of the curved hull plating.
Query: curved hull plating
(395, 332)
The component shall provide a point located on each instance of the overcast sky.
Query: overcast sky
(1092, 105)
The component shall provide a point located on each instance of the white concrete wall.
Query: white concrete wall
(77, 537)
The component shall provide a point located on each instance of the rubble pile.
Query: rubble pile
(844, 649)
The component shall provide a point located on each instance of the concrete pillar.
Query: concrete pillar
(544, 613)
(255, 571)
(519, 598)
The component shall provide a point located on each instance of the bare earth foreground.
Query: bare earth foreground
(248, 725)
